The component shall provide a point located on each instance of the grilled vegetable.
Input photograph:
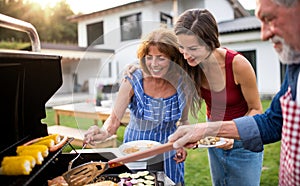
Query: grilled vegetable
(47, 142)
(34, 153)
(42, 148)
(16, 165)
(55, 137)
(32, 160)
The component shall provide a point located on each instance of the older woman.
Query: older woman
(157, 99)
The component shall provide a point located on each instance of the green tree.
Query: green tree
(15, 9)
(51, 22)
(62, 29)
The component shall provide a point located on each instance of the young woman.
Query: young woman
(279, 22)
(227, 82)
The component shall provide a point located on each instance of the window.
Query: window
(131, 27)
(95, 33)
(166, 19)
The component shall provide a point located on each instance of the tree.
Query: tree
(62, 29)
(51, 22)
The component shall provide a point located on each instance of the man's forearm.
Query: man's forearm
(226, 129)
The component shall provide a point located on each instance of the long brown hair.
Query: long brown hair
(166, 42)
(202, 24)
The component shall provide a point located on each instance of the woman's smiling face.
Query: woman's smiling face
(191, 49)
(157, 63)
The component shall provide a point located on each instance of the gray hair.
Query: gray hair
(286, 3)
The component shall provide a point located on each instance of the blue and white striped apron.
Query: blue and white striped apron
(155, 119)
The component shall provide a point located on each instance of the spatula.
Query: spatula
(87, 172)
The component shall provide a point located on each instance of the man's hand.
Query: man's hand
(188, 135)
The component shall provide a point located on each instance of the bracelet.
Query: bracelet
(179, 123)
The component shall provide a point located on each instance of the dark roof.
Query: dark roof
(249, 23)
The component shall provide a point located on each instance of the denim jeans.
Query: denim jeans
(236, 166)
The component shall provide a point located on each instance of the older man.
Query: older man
(280, 25)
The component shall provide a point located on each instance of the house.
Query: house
(243, 35)
(117, 30)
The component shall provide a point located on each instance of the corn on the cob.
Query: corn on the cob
(33, 152)
(16, 165)
(55, 137)
(32, 160)
(47, 142)
(42, 148)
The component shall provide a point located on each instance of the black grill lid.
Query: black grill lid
(27, 80)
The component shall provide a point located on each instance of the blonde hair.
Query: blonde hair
(166, 42)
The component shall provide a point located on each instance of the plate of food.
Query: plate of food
(210, 141)
(137, 146)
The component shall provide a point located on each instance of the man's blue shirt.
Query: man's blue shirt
(255, 131)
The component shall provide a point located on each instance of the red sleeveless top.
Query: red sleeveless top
(228, 103)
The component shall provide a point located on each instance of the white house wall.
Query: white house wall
(187, 4)
(222, 12)
(269, 69)
(125, 52)
(267, 62)
(82, 34)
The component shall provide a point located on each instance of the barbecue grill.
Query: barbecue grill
(28, 80)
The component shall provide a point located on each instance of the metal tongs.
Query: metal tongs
(78, 154)
(87, 172)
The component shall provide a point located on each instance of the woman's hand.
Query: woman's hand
(95, 134)
(228, 145)
(130, 68)
(180, 155)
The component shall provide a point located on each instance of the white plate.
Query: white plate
(136, 146)
(221, 142)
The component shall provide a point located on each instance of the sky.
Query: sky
(248, 4)
(87, 6)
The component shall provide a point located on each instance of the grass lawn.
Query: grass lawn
(196, 165)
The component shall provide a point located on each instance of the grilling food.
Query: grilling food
(58, 181)
(130, 150)
(42, 148)
(55, 137)
(34, 153)
(139, 178)
(16, 165)
(103, 183)
(52, 141)
(32, 160)
(47, 142)
(209, 140)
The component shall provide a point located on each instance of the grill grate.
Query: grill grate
(35, 175)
